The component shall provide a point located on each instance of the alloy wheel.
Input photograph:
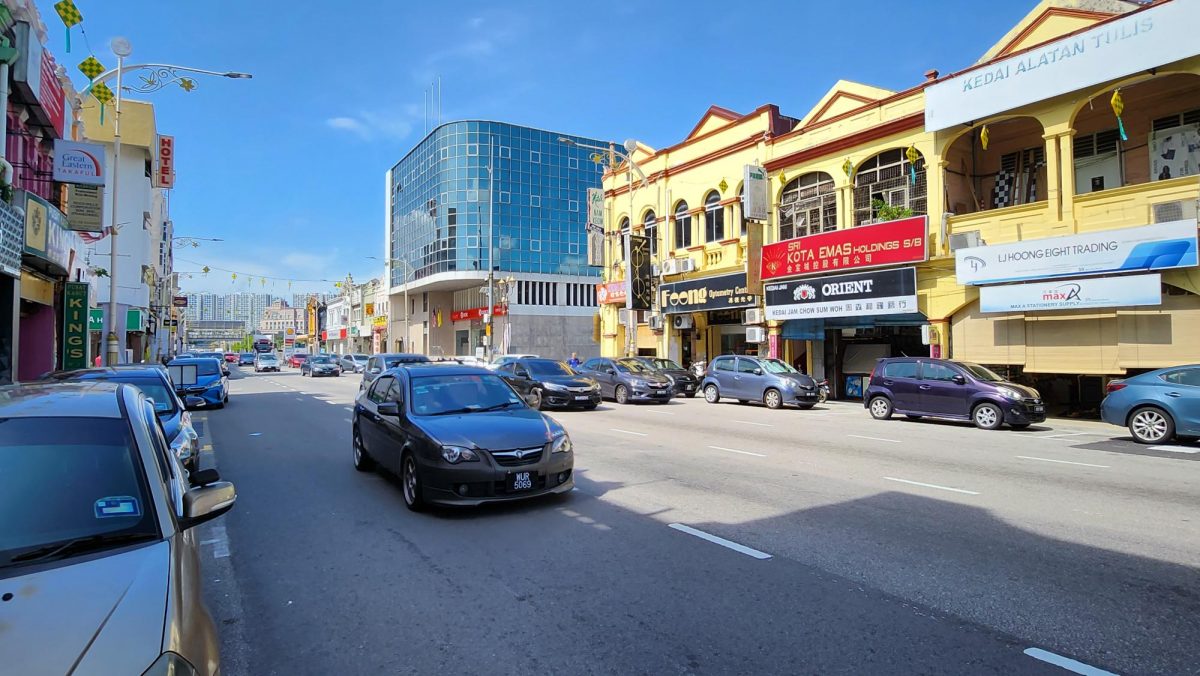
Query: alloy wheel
(410, 481)
(987, 416)
(1148, 425)
(880, 408)
(773, 399)
(711, 395)
(622, 395)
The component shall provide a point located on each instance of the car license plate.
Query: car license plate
(689, 388)
(1039, 409)
(581, 397)
(520, 481)
(660, 391)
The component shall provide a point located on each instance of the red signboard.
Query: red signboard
(51, 94)
(164, 173)
(611, 293)
(474, 313)
(867, 246)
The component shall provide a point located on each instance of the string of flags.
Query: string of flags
(249, 278)
(91, 66)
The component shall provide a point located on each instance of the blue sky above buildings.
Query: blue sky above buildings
(288, 168)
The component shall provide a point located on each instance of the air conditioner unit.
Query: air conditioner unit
(656, 322)
(681, 321)
(675, 266)
(686, 265)
(655, 269)
(753, 316)
(966, 240)
(623, 316)
(756, 334)
(1178, 210)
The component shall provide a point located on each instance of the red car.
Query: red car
(231, 356)
(296, 360)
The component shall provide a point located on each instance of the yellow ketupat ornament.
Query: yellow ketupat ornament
(103, 95)
(723, 185)
(848, 167)
(69, 13)
(1118, 106)
(983, 137)
(912, 156)
(91, 67)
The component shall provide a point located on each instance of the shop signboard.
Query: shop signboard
(867, 246)
(135, 319)
(1159, 246)
(710, 293)
(1072, 294)
(164, 161)
(78, 162)
(475, 313)
(611, 293)
(46, 234)
(1141, 41)
(85, 208)
(75, 325)
(96, 319)
(754, 193)
(36, 81)
(595, 198)
(179, 301)
(641, 273)
(877, 292)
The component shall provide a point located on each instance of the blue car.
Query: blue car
(1157, 406)
(201, 377)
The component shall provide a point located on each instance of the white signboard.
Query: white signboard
(595, 198)
(754, 195)
(1139, 42)
(1148, 247)
(1071, 294)
(79, 163)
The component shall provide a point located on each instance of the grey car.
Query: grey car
(772, 381)
(378, 363)
(629, 380)
(354, 363)
(99, 566)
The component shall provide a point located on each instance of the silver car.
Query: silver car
(99, 565)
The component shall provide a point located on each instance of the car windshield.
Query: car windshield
(982, 373)
(776, 366)
(632, 366)
(247, 354)
(67, 478)
(665, 364)
(358, 357)
(464, 393)
(205, 367)
(323, 359)
(164, 401)
(548, 367)
(393, 362)
(267, 357)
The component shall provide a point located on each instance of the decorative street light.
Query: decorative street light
(159, 75)
(194, 241)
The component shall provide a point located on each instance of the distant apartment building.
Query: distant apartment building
(243, 307)
(279, 317)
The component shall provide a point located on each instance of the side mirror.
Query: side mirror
(204, 477)
(960, 380)
(373, 371)
(389, 408)
(207, 503)
(191, 401)
(758, 372)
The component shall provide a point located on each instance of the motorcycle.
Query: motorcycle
(822, 391)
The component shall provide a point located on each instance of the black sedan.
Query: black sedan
(459, 435)
(686, 383)
(320, 365)
(548, 383)
(245, 359)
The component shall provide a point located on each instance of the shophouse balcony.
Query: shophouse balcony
(1134, 205)
(1009, 224)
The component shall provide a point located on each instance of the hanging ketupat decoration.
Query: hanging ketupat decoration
(91, 67)
(983, 137)
(103, 95)
(848, 167)
(913, 155)
(1118, 105)
(69, 13)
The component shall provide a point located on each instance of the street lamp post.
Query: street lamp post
(407, 271)
(161, 76)
(627, 156)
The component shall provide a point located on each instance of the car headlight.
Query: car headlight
(1009, 393)
(555, 386)
(638, 382)
(562, 444)
(595, 386)
(170, 664)
(457, 454)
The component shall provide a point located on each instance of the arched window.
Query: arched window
(650, 223)
(714, 218)
(808, 206)
(888, 180)
(623, 228)
(683, 226)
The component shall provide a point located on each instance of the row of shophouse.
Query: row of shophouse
(353, 320)
(1034, 212)
(54, 267)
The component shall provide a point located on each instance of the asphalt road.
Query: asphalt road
(850, 546)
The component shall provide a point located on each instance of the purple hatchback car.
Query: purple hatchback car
(941, 388)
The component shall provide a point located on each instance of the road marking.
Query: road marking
(890, 441)
(346, 419)
(220, 542)
(1174, 449)
(1067, 663)
(1071, 434)
(743, 549)
(299, 398)
(747, 422)
(256, 434)
(347, 408)
(942, 488)
(652, 410)
(1062, 462)
(734, 450)
(640, 434)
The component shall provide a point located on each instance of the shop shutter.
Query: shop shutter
(1072, 343)
(1160, 337)
(987, 338)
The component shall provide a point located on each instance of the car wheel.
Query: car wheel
(773, 399)
(537, 398)
(987, 416)
(881, 408)
(711, 394)
(1150, 425)
(622, 395)
(362, 461)
(410, 480)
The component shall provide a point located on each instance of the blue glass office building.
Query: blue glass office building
(530, 189)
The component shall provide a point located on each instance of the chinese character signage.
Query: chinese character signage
(878, 292)
(611, 293)
(711, 293)
(595, 198)
(867, 246)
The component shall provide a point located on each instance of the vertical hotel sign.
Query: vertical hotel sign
(164, 161)
(75, 326)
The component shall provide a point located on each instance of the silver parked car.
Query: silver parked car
(99, 565)
(354, 363)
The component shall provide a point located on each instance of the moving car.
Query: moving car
(628, 380)
(354, 363)
(231, 357)
(98, 538)
(297, 359)
(1156, 406)
(459, 435)
(214, 355)
(246, 359)
(156, 385)
(685, 382)
(772, 381)
(200, 377)
(547, 382)
(266, 361)
(378, 363)
(320, 365)
(942, 388)
(505, 358)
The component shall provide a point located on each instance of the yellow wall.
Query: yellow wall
(137, 123)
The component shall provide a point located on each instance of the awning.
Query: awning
(814, 329)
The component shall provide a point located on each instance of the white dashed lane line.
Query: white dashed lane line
(1074, 666)
(940, 488)
(1062, 462)
(734, 450)
(639, 434)
(890, 441)
(742, 549)
(747, 422)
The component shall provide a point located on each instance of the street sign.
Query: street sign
(595, 197)
(179, 301)
(85, 207)
(754, 195)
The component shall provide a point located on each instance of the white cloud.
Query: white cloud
(368, 125)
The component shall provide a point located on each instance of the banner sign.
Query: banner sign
(1148, 247)
(164, 161)
(85, 208)
(1141, 41)
(1070, 294)
(711, 293)
(595, 198)
(75, 326)
(867, 246)
(879, 292)
(641, 273)
(612, 293)
(475, 313)
(78, 162)
(754, 193)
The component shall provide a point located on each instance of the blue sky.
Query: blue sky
(288, 168)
